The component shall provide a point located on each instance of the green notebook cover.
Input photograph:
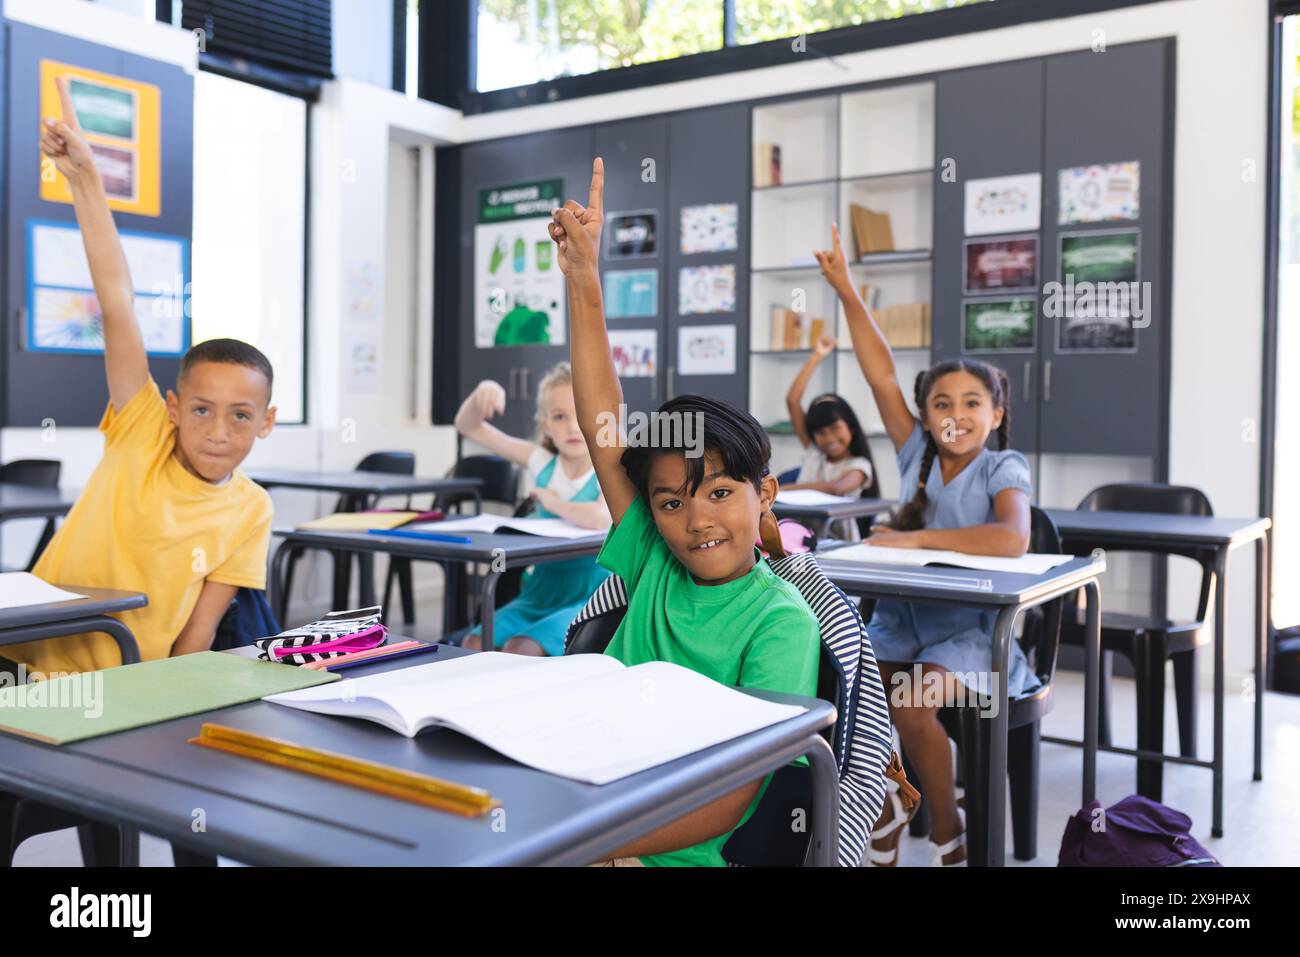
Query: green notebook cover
(94, 703)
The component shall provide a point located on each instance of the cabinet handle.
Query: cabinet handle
(1047, 380)
(1029, 369)
(654, 388)
(523, 382)
(670, 383)
(510, 387)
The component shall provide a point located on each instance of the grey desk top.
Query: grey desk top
(98, 601)
(27, 501)
(947, 585)
(853, 509)
(372, 483)
(514, 549)
(261, 814)
(1138, 528)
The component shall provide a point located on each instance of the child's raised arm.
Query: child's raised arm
(823, 347)
(596, 389)
(489, 399)
(873, 353)
(125, 361)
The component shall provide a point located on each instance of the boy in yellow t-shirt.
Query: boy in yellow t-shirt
(166, 512)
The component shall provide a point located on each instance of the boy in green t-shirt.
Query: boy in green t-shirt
(686, 515)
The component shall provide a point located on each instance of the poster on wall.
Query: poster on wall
(706, 350)
(712, 228)
(705, 289)
(631, 234)
(518, 287)
(62, 311)
(999, 325)
(1098, 194)
(122, 123)
(1003, 204)
(631, 293)
(1102, 304)
(635, 352)
(1001, 265)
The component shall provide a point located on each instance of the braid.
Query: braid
(912, 515)
(1004, 429)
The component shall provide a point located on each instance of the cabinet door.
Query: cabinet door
(560, 154)
(709, 161)
(989, 123)
(1107, 108)
(636, 198)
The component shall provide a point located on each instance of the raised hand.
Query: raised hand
(824, 346)
(63, 142)
(489, 399)
(835, 267)
(576, 229)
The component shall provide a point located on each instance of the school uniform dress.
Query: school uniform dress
(815, 467)
(959, 639)
(553, 592)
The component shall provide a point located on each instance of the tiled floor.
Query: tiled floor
(1261, 819)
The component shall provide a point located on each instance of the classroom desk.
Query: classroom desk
(1009, 594)
(1187, 535)
(823, 515)
(376, 485)
(151, 780)
(29, 501)
(59, 618)
(500, 552)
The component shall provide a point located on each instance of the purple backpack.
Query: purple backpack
(1136, 832)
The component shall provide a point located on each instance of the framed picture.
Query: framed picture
(999, 325)
(1000, 265)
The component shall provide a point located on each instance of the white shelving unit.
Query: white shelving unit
(873, 147)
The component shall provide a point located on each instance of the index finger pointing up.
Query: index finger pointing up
(835, 236)
(65, 98)
(596, 196)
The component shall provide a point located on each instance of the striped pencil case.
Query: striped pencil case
(337, 634)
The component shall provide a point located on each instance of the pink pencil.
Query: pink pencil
(324, 663)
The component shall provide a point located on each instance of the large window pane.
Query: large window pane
(759, 20)
(526, 41)
(250, 155)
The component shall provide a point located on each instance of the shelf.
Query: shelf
(895, 349)
(796, 185)
(895, 258)
(922, 174)
(793, 270)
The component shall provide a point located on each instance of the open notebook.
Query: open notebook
(585, 717)
(549, 527)
(1031, 563)
(808, 497)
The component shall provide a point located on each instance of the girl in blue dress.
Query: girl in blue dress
(565, 487)
(959, 496)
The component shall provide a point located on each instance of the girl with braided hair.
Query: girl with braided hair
(959, 496)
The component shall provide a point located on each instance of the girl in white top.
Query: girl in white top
(837, 459)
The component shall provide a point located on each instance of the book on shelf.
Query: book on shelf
(793, 330)
(872, 230)
(767, 165)
(870, 295)
(904, 325)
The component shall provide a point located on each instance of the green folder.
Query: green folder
(94, 703)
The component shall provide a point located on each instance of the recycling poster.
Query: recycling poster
(518, 286)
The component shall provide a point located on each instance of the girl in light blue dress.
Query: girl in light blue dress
(565, 487)
(959, 496)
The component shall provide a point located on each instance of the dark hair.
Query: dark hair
(731, 433)
(230, 352)
(912, 515)
(826, 410)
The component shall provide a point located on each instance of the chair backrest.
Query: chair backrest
(1166, 500)
(862, 739)
(1042, 631)
(43, 473)
(500, 479)
(390, 463)
(789, 476)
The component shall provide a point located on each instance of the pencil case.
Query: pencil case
(337, 634)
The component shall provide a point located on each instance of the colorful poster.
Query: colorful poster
(122, 121)
(631, 293)
(1100, 256)
(631, 234)
(712, 228)
(705, 289)
(999, 325)
(1003, 204)
(706, 350)
(635, 352)
(1001, 265)
(62, 311)
(1098, 194)
(519, 296)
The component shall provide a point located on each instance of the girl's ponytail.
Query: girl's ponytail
(1004, 429)
(911, 516)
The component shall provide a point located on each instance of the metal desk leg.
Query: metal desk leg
(997, 796)
(1091, 689)
(489, 603)
(1262, 596)
(826, 803)
(1220, 627)
(366, 586)
(279, 598)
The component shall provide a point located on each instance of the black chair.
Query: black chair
(38, 473)
(789, 476)
(391, 463)
(1149, 641)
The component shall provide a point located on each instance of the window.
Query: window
(520, 42)
(250, 162)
